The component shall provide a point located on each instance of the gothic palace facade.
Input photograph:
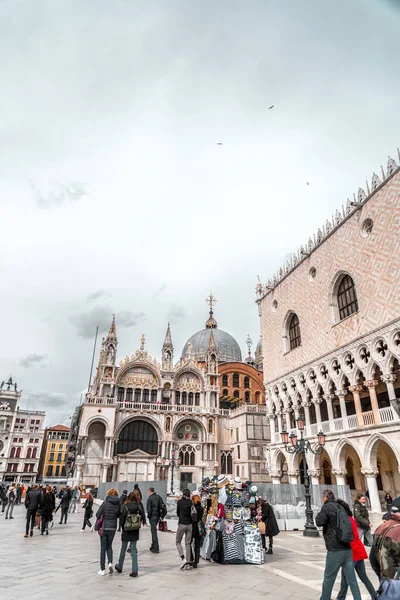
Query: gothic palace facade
(331, 346)
(142, 420)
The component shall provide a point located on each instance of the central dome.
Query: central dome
(227, 347)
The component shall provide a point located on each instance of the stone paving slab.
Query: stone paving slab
(66, 562)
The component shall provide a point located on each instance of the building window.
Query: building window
(28, 453)
(59, 457)
(138, 395)
(51, 457)
(146, 395)
(129, 394)
(225, 380)
(210, 426)
(225, 393)
(226, 463)
(184, 398)
(236, 394)
(190, 399)
(63, 474)
(247, 383)
(49, 471)
(153, 396)
(236, 380)
(346, 298)
(247, 397)
(238, 452)
(34, 452)
(61, 446)
(121, 392)
(294, 332)
(57, 473)
(187, 455)
(197, 399)
(177, 397)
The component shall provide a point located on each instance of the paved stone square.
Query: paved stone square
(66, 562)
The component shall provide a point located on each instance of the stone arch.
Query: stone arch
(138, 434)
(190, 419)
(97, 418)
(325, 466)
(371, 450)
(382, 455)
(333, 293)
(190, 369)
(96, 440)
(285, 329)
(347, 458)
(140, 417)
(137, 364)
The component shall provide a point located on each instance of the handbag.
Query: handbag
(262, 527)
(389, 589)
(162, 525)
(201, 529)
(99, 525)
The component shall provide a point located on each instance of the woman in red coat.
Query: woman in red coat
(359, 555)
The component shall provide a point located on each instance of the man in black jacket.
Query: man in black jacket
(155, 506)
(33, 502)
(339, 555)
(185, 525)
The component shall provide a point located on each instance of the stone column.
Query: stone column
(314, 476)
(78, 473)
(329, 398)
(370, 475)
(341, 395)
(389, 380)
(107, 447)
(293, 477)
(306, 406)
(371, 385)
(104, 469)
(276, 477)
(280, 425)
(355, 390)
(340, 476)
(271, 418)
(317, 403)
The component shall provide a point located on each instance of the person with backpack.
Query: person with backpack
(198, 530)
(88, 512)
(361, 517)
(156, 510)
(187, 515)
(359, 556)
(338, 533)
(33, 503)
(48, 506)
(132, 517)
(10, 502)
(64, 504)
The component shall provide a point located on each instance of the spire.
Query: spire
(249, 343)
(211, 323)
(167, 351)
(211, 343)
(112, 334)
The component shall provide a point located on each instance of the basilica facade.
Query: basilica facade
(145, 420)
(330, 321)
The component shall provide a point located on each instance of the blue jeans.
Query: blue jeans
(336, 560)
(359, 567)
(154, 536)
(124, 546)
(106, 541)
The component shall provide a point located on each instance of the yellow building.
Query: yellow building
(54, 455)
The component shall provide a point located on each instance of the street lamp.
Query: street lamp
(174, 462)
(293, 445)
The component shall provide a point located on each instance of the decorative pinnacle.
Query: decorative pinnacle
(249, 343)
(211, 301)
(142, 341)
(211, 323)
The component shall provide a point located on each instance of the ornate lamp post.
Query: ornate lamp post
(174, 462)
(293, 445)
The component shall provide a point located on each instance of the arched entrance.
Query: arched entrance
(95, 444)
(326, 476)
(138, 435)
(349, 460)
(384, 460)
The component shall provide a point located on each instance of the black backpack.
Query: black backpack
(344, 529)
(162, 508)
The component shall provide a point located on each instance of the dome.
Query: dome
(227, 347)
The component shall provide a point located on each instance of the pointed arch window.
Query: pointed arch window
(184, 398)
(236, 380)
(146, 395)
(190, 399)
(346, 298)
(129, 394)
(187, 455)
(197, 399)
(177, 397)
(138, 395)
(294, 332)
(121, 393)
(153, 396)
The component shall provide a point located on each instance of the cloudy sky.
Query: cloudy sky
(114, 194)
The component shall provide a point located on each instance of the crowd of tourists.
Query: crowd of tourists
(345, 532)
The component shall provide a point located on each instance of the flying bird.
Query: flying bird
(219, 143)
(308, 183)
(271, 107)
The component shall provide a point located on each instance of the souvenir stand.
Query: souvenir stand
(230, 519)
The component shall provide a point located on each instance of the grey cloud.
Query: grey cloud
(32, 360)
(48, 399)
(176, 313)
(101, 316)
(60, 193)
(97, 295)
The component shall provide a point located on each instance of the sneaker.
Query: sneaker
(82, 531)
(110, 569)
(101, 572)
(118, 569)
(133, 574)
(269, 551)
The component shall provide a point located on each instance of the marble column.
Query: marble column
(389, 380)
(306, 406)
(371, 385)
(355, 390)
(271, 418)
(280, 424)
(370, 475)
(104, 469)
(329, 398)
(293, 477)
(340, 476)
(317, 403)
(314, 476)
(276, 477)
(78, 473)
(341, 395)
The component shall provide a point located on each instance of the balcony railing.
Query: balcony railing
(386, 414)
(352, 421)
(368, 418)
